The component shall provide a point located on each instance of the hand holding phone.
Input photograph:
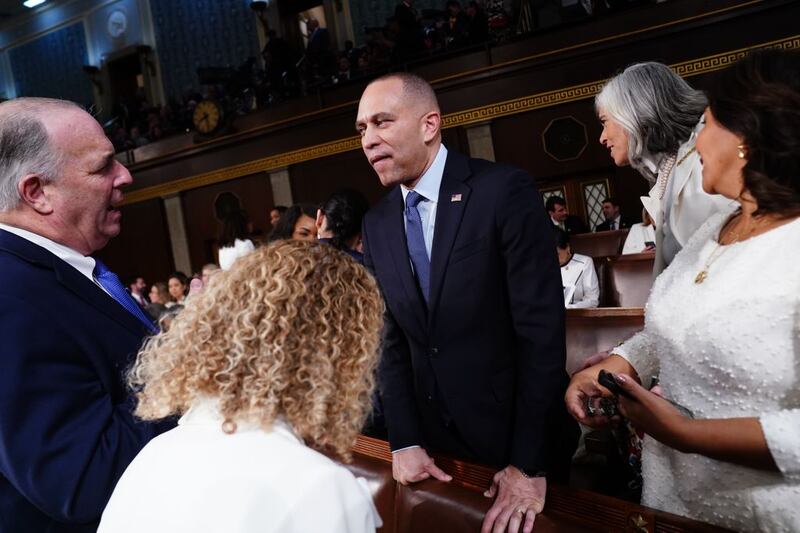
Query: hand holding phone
(607, 380)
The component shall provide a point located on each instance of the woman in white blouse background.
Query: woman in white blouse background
(641, 237)
(723, 322)
(233, 241)
(273, 361)
(578, 276)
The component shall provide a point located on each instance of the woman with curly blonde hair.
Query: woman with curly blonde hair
(272, 363)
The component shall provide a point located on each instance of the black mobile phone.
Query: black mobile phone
(649, 244)
(606, 379)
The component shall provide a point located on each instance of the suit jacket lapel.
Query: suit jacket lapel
(95, 296)
(71, 279)
(453, 198)
(396, 240)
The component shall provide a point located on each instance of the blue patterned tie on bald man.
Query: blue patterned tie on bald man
(415, 239)
(110, 282)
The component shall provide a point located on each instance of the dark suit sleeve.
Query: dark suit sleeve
(537, 307)
(395, 377)
(63, 442)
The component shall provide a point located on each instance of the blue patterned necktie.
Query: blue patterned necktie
(415, 238)
(110, 282)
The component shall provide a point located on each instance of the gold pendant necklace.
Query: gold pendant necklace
(719, 250)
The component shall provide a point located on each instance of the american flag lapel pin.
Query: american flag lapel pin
(455, 197)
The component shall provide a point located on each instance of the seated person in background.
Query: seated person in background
(136, 287)
(560, 217)
(578, 277)
(297, 222)
(614, 219)
(233, 239)
(339, 222)
(208, 271)
(641, 237)
(159, 298)
(722, 322)
(178, 285)
(258, 399)
(275, 214)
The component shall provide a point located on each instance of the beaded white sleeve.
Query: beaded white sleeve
(727, 348)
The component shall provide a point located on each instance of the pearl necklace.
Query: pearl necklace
(665, 169)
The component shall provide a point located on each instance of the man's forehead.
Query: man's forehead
(385, 96)
(74, 130)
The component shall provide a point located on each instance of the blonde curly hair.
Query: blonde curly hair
(292, 330)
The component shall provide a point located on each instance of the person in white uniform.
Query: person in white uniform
(273, 361)
(721, 330)
(578, 276)
(651, 118)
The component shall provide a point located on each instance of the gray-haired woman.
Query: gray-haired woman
(651, 118)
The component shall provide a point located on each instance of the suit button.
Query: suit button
(433, 352)
(430, 398)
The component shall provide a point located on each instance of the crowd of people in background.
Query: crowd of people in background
(336, 222)
(291, 72)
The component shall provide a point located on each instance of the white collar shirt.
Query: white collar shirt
(428, 186)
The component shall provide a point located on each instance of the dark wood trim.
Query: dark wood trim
(606, 312)
(596, 511)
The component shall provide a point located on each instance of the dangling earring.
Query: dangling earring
(741, 151)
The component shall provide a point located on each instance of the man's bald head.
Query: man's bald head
(416, 91)
(26, 145)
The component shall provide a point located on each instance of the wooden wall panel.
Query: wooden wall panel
(313, 181)
(518, 140)
(142, 248)
(202, 226)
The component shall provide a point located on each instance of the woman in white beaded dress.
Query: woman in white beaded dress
(651, 118)
(723, 322)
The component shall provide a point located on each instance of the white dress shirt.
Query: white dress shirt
(428, 186)
(198, 478)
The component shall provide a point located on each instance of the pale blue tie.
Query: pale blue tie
(415, 239)
(110, 282)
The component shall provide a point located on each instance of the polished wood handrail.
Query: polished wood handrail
(596, 511)
(606, 312)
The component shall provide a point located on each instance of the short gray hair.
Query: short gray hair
(657, 108)
(25, 146)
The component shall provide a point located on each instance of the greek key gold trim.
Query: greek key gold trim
(266, 164)
(461, 118)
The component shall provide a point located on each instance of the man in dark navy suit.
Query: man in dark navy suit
(614, 219)
(560, 217)
(69, 328)
(474, 354)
